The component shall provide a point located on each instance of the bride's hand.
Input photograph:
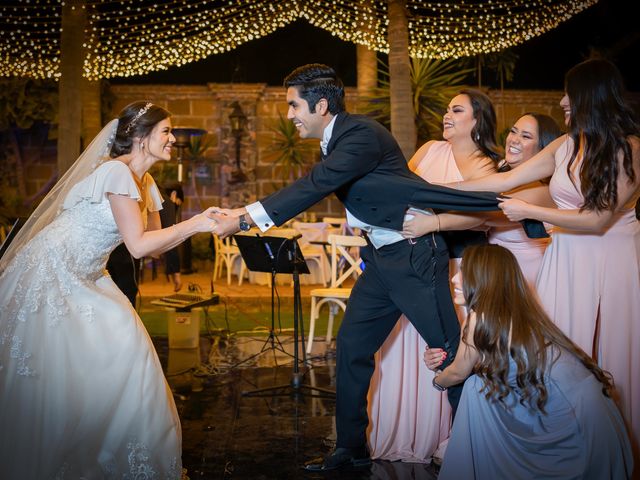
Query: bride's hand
(229, 212)
(207, 221)
(433, 358)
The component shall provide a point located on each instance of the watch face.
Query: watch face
(437, 386)
(244, 226)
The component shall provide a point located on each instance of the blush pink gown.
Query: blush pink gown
(589, 285)
(528, 251)
(408, 418)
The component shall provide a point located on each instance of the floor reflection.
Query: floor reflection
(230, 435)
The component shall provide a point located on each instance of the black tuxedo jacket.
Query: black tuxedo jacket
(366, 169)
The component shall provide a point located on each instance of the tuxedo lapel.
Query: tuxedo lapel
(337, 130)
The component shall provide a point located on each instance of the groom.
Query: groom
(363, 165)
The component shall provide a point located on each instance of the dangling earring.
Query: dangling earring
(142, 145)
(477, 137)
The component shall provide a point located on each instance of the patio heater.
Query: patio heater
(238, 121)
(183, 142)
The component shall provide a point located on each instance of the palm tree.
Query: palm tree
(367, 62)
(433, 84)
(503, 63)
(288, 150)
(403, 125)
(367, 72)
(25, 104)
(72, 48)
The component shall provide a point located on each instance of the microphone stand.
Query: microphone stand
(272, 342)
(296, 387)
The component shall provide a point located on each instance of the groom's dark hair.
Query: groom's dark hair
(315, 81)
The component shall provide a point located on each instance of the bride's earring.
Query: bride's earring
(142, 145)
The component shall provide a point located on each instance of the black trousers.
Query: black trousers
(168, 218)
(124, 270)
(399, 278)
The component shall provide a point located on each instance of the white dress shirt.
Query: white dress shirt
(378, 236)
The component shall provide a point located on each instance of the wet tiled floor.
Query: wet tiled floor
(230, 435)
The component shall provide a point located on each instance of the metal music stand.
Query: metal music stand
(280, 255)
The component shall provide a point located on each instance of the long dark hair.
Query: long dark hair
(315, 81)
(548, 131)
(136, 120)
(600, 123)
(548, 128)
(484, 131)
(511, 323)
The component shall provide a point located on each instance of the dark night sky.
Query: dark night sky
(609, 26)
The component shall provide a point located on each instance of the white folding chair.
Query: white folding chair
(226, 255)
(338, 223)
(313, 232)
(336, 294)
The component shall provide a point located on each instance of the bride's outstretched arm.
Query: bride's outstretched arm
(139, 242)
(540, 166)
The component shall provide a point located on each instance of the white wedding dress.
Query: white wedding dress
(82, 392)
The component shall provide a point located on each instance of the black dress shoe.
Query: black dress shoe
(341, 458)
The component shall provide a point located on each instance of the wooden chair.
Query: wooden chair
(226, 255)
(337, 223)
(314, 232)
(336, 295)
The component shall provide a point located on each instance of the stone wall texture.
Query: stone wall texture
(208, 107)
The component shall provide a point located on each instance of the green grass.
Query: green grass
(241, 322)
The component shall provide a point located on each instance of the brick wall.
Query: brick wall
(208, 107)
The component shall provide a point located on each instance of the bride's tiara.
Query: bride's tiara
(140, 113)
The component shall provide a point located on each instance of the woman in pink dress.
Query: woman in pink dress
(590, 275)
(408, 420)
(530, 134)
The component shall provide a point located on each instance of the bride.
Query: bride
(82, 392)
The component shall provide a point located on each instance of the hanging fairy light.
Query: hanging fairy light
(133, 37)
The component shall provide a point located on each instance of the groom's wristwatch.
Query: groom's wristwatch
(243, 224)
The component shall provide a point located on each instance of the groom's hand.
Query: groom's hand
(231, 212)
(226, 225)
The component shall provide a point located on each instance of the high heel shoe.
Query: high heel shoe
(177, 287)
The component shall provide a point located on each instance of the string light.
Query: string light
(133, 37)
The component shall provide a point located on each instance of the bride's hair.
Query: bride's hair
(136, 120)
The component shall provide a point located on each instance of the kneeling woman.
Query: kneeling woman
(537, 406)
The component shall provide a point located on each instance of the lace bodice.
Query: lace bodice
(69, 252)
(81, 238)
(78, 241)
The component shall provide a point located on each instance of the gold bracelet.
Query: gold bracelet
(438, 220)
